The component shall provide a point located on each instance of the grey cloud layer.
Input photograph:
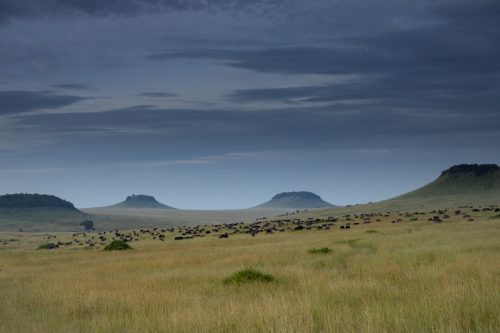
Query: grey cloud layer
(219, 77)
(453, 65)
(226, 130)
(73, 86)
(33, 8)
(157, 94)
(18, 101)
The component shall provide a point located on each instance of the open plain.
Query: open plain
(399, 272)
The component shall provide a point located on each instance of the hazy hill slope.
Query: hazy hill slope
(296, 200)
(130, 218)
(466, 183)
(38, 212)
(460, 185)
(141, 201)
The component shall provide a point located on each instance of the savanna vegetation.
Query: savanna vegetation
(383, 277)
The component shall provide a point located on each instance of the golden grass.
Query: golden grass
(409, 277)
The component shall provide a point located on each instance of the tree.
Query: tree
(88, 225)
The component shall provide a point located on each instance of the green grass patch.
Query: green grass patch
(322, 250)
(117, 245)
(495, 216)
(248, 275)
(47, 246)
(371, 231)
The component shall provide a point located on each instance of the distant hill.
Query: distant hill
(37, 212)
(460, 185)
(141, 201)
(25, 200)
(464, 184)
(296, 200)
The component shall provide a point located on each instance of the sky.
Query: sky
(221, 104)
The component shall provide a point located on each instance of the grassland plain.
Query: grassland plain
(406, 277)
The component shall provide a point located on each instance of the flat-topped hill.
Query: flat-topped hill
(296, 200)
(141, 201)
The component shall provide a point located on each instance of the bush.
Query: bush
(371, 231)
(248, 275)
(323, 250)
(47, 246)
(88, 225)
(117, 245)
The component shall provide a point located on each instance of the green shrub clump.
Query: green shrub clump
(248, 275)
(323, 250)
(117, 245)
(47, 246)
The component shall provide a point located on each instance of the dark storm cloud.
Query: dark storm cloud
(467, 10)
(34, 8)
(453, 65)
(18, 101)
(157, 94)
(463, 38)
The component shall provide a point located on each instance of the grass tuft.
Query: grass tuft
(47, 246)
(248, 275)
(323, 250)
(117, 245)
(371, 231)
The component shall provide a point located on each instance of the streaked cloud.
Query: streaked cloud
(19, 101)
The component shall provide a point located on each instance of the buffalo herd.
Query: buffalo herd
(266, 226)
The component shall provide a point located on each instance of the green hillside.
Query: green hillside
(460, 185)
(296, 200)
(38, 212)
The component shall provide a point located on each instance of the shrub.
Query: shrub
(88, 225)
(248, 275)
(495, 216)
(117, 245)
(322, 250)
(47, 246)
(371, 231)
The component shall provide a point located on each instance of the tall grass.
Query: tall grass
(407, 278)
